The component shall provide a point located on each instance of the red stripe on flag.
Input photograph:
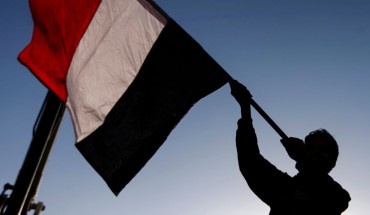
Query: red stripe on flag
(58, 27)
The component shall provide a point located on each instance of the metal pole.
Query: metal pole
(38, 152)
(268, 119)
(41, 168)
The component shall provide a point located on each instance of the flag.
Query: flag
(127, 72)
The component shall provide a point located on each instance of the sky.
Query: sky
(307, 64)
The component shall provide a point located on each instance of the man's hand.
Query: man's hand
(295, 148)
(240, 93)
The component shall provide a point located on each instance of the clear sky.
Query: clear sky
(307, 63)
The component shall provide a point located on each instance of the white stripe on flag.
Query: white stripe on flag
(107, 60)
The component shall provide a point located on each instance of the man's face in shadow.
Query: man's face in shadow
(317, 157)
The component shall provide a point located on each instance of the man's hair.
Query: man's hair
(331, 144)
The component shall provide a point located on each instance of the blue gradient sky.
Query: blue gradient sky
(307, 63)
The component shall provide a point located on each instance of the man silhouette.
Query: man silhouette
(312, 191)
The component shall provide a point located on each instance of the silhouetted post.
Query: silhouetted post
(30, 174)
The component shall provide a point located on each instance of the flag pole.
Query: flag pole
(30, 174)
(268, 119)
(265, 116)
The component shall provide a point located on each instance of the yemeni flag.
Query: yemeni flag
(127, 72)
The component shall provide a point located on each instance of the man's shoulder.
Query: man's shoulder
(325, 185)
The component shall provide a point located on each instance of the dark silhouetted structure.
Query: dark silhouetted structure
(312, 191)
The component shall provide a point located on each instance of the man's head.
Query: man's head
(321, 151)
